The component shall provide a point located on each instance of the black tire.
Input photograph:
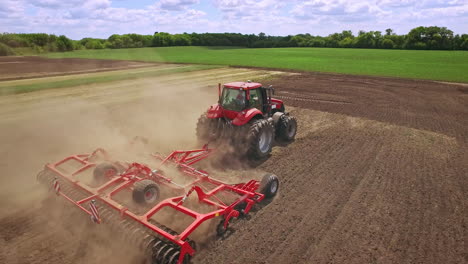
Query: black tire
(287, 128)
(145, 192)
(203, 128)
(282, 109)
(104, 171)
(269, 185)
(259, 147)
(207, 129)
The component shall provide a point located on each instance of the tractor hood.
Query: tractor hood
(238, 118)
(215, 111)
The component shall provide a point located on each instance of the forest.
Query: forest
(419, 38)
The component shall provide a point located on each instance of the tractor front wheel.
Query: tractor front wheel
(260, 139)
(287, 128)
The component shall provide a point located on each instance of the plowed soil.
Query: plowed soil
(378, 172)
(12, 68)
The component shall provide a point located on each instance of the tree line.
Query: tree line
(420, 38)
(40, 42)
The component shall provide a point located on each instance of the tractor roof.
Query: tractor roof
(243, 85)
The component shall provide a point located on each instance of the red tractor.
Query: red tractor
(248, 118)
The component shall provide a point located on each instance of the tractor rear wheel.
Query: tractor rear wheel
(287, 128)
(145, 192)
(207, 128)
(260, 139)
(203, 128)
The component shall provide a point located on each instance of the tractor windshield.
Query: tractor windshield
(233, 99)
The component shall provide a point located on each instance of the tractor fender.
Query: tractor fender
(277, 104)
(245, 116)
(215, 111)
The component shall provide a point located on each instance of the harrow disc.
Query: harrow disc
(163, 252)
(158, 250)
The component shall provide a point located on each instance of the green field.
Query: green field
(433, 65)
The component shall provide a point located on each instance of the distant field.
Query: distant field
(432, 65)
(30, 85)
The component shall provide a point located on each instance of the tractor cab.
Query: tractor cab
(240, 96)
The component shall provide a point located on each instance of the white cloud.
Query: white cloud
(249, 9)
(101, 18)
(340, 9)
(176, 5)
(97, 18)
(11, 8)
(96, 4)
(401, 15)
(59, 4)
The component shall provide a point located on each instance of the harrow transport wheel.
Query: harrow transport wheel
(104, 171)
(260, 139)
(145, 192)
(287, 128)
(269, 185)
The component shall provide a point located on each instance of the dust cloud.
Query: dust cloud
(57, 127)
(62, 125)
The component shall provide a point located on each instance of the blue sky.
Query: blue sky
(101, 18)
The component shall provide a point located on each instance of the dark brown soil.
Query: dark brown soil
(385, 181)
(378, 174)
(427, 105)
(12, 68)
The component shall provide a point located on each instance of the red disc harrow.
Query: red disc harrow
(100, 187)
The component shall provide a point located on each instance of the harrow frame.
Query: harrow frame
(103, 194)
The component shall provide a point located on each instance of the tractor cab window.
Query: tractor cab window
(256, 99)
(233, 99)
